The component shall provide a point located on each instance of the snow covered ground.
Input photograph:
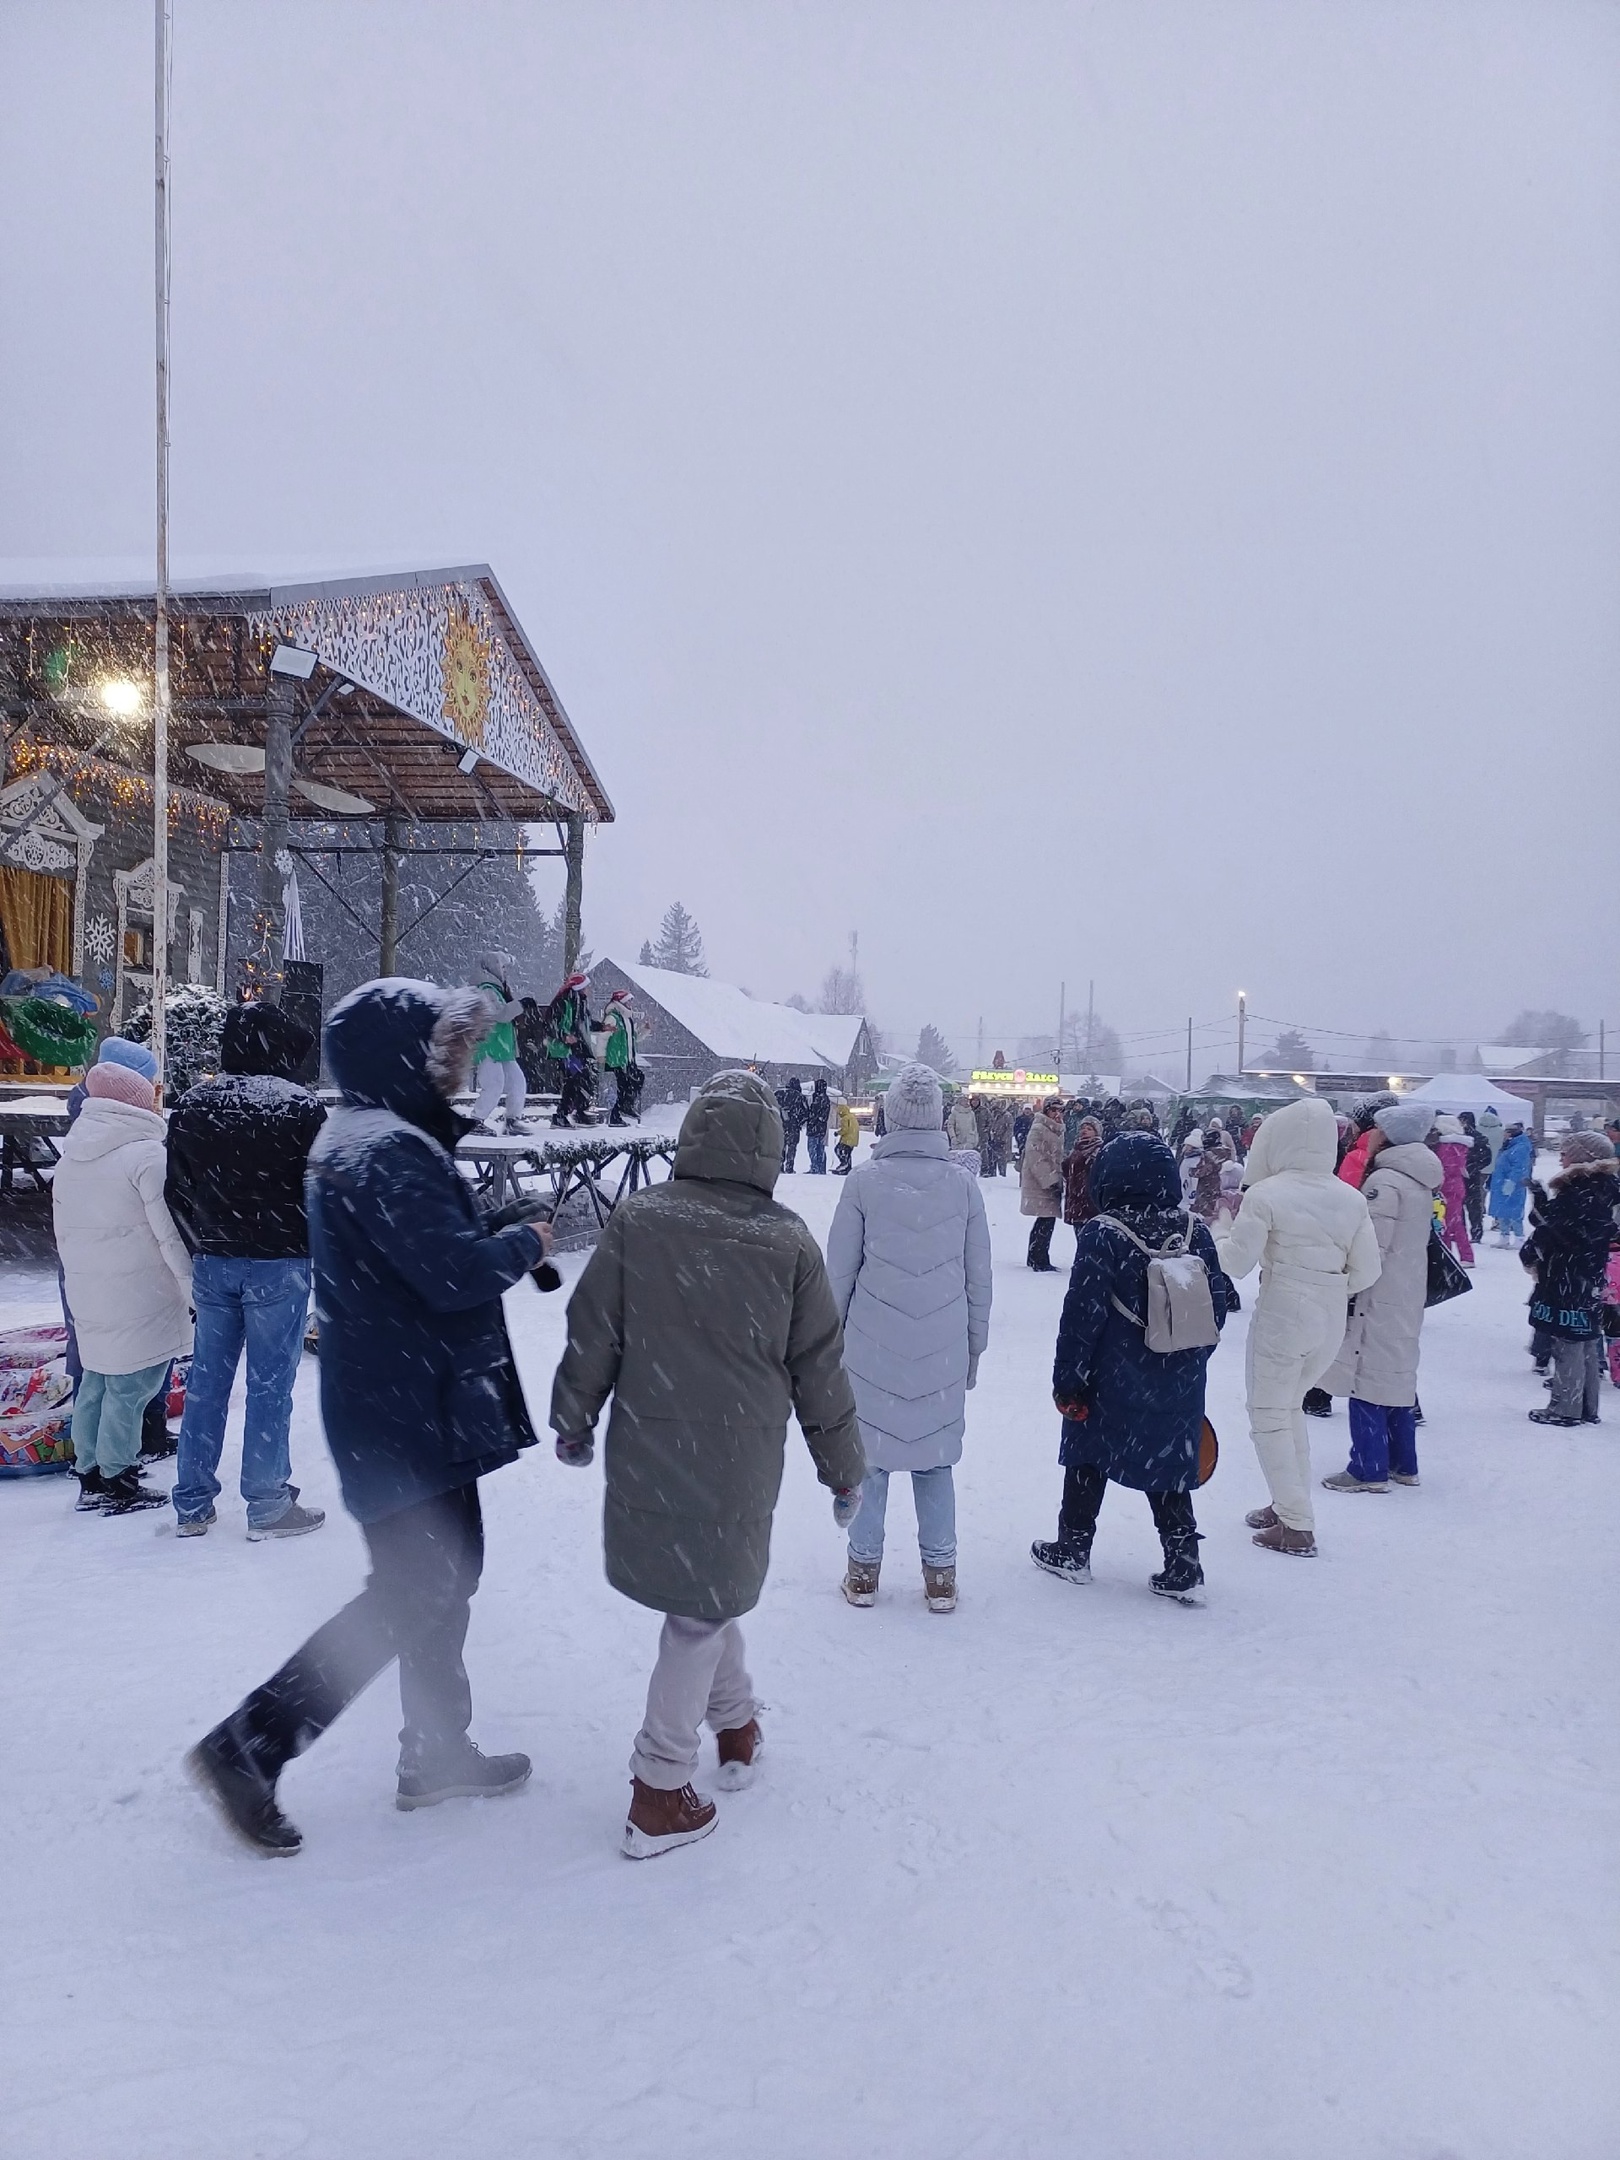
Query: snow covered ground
(1325, 1869)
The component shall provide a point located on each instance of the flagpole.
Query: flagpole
(160, 642)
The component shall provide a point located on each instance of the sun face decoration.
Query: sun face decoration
(465, 676)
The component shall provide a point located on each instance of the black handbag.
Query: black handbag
(1448, 1278)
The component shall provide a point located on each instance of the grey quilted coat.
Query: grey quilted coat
(1379, 1360)
(704, 1311)
(908, 1257)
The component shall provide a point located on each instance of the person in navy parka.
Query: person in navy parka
(1130, 1414)
(420, 1397)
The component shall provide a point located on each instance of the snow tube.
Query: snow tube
(50, 1033)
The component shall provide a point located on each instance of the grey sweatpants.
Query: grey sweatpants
(700, 1677)
(1577, 1376)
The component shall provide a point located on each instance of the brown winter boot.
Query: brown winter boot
(659, 1821)
(1277, 1537)
(939, 1588)
(1261, 1518)
(740, 1750)
(860, 1583)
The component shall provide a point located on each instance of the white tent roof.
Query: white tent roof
(729, 1022)
(1472, 1091)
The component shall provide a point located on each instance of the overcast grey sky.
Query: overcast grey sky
(1126, 490)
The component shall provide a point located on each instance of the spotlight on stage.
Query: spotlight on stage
(292, 660)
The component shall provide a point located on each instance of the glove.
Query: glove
(531, 1209)
(545, 1277)
(973, 1369)
(1075, 1408)
(846, 1505)
(576, 1449)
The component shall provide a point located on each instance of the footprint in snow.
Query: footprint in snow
(1212, 1961)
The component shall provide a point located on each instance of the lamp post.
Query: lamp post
(160, 636)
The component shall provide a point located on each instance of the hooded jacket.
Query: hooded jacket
(1568, 1250)
(128, 1276)
(239, 1144)
(706, 1314)
(1510, 1180)
(1144, 1409)
(908, 1257)
(419, 1391)
(1378, 1361)
(1313, 1240)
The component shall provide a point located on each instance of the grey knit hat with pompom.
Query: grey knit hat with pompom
(915, 1101)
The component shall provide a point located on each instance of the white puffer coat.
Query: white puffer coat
(908, 1256)
(128, 1275)
(1379, 1360)
(1311, 1236)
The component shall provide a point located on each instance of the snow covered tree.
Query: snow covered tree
(1545, 1031)
(1090, 1045)
(933, 1050)
(1292, 1053)
(646, 959)
(798, 1002)
(842, 991)
(680, 944)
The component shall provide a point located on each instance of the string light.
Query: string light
(129, 790)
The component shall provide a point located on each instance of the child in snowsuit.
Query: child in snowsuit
(705, 1313)
(1452, 1145)
(1568, 1253)
(849, 1133)
(1130, 1414)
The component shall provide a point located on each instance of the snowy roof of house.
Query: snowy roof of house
(732, 1024)
(1507, 1057)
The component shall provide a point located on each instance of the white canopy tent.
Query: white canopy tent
(1472, 1091)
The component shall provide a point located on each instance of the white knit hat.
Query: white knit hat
(915, 1101)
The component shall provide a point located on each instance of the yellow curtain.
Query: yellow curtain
(36, 913)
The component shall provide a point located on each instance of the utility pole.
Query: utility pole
(1189, 1057)
(1602, 1051)
(573, 892)
(1243, 1020)
(979, 1061)
(1091, 1035)
(160, 639)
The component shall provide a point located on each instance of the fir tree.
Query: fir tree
(1292, 1053)
(680, 943)
(646, 959)
(934, 1051)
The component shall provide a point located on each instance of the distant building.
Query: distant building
(696, 1027)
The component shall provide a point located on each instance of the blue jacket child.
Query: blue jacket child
(1130, 1414)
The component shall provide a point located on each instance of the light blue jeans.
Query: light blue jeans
(934, 1493)
(263, 1304)
(107, 1413)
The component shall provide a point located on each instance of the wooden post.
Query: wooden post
(160, 648)
(264, 961)
(388, 941)
(573, 893)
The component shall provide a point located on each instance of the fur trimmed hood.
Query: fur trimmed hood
(407, 1046)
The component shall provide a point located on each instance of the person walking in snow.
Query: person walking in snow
(1312, 1239)
(999, 1123)
(126, 1271)
(497, 1074)
(420, 1397)
(1378, 1362)
(1041, 1184)
(238, 1148)
(908, 1257)
(794, 1112)
(1077, 1207)
(1130, 1414)
(1568, 1254)
(1510, 1185)
(849, 1133)
(817, 1118)
(619, 1058)
(706, 1314)
(1022, 1121)
(1206, 1200)
(1451, 1144)
(1479, 1170)
(568, 1044)
(961, 1126)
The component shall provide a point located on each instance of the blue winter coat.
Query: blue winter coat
(1144, 1409)
(1510, 1181)
(419, 1390)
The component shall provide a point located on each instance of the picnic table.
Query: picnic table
(588, 1165)
(30, 1126)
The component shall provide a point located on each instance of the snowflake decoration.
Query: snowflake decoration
(99, 938)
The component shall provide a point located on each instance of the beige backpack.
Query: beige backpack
(1180, 1304)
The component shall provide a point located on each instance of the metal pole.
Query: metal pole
(1063, 1001)
(268, 923)
(160, 641)
(388, 941)
(1602, 1052)
(1243, 1018)
(573, 893)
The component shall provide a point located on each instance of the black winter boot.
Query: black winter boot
(1071, 1563)
(124, 1494)
(229, 1767)
(1181, 1577)
(92, 1492)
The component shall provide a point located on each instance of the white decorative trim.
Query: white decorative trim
(60, 838)
(223, 933)
(194, 946)
(136, 890)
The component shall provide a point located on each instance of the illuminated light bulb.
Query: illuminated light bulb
(121, 698)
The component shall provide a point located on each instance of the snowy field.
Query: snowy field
(1324, 1871)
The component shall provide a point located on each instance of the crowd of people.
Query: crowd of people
(707, 1316)
(559, 1049)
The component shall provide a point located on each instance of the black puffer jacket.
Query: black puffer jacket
(238, 1144)
(1568, 1250)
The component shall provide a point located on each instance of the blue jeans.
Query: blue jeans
(934, 1493)
(1382, 1440)
(107, 1413)
(264, 1303)
(817, 1144)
